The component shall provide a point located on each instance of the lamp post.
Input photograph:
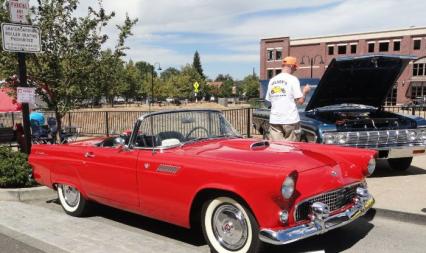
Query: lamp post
(312, 60)
(152, 82)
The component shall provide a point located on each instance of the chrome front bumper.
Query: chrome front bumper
(318, 225)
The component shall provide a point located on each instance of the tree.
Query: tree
(197, 65)
(71, 66)
(250, 86)
(223, 78)
(132, 82)
(169, 73)
(145, 68)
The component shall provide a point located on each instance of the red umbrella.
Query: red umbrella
(8, 104)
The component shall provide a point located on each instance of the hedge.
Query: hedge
(15, 172)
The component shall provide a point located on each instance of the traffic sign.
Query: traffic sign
(19, 11)
(26, 95)
(21, 38)
(196, 86)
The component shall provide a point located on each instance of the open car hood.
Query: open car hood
(364, 80)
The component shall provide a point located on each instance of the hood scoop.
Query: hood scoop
(259, 145)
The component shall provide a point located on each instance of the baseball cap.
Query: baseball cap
(290, 60)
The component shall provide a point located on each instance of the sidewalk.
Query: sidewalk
(400, 191)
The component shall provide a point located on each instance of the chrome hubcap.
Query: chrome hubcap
(230, 227)
(71, 195)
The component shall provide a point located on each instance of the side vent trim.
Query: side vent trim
(169, 169)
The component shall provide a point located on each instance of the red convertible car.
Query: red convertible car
(191, 168)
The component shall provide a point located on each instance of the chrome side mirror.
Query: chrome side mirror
(123, 148)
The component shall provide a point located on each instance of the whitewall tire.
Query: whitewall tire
(229, 227)
(71, 200)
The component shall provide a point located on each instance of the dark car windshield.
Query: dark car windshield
(176, 128)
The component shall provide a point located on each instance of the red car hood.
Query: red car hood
(277, 154)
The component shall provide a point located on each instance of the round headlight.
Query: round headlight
(287, 188)
(341, 139)
(329, 139)
(412, 135)
(371, 166)
(422, 135)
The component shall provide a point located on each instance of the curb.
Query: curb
(27, 194)
(414, 218)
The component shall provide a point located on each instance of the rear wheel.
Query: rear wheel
(72, 201)
(400, 163)
(229, 227)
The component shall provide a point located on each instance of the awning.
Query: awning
(7, 103)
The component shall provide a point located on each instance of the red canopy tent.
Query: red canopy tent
(7, 103)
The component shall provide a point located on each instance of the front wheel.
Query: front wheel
(229, 227)
(72, 201)
(400, 163)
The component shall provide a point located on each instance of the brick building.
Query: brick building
(314, 55)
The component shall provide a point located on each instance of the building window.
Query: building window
(270, 55)
(418, 90)
(419, 69)
(391, 98)
(278, 54)
(341, 49)
(270, 73)
(278, 71)
(371, 47)
(383, 46)
(353, 48)
(396, 45)
(330, 50)
(417, 44)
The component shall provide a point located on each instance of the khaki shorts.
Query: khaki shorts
(290, 132)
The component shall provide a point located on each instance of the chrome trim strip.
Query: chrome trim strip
(317, 226)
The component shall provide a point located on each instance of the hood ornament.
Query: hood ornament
(334, 173)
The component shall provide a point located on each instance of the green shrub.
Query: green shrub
(14, 169)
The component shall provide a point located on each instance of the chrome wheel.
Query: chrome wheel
(71, 195)
(72, 200)
(230, 227)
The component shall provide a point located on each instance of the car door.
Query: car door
(109, 175)
(163, 195)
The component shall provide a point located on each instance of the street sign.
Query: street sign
(196, 86)
(26, 95)
(19, 11)
(21, 38)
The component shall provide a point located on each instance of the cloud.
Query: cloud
(229, 31)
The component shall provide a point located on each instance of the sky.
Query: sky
(227, 33)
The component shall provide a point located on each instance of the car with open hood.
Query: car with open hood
(346, 109)
(191, 168)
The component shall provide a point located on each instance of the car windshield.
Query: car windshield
(174, 128)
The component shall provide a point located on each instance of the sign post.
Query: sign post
(21, 39)
(196, 86)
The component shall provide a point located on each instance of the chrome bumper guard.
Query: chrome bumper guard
(321, 222)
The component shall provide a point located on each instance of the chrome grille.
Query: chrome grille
(334, 199)
(378, 138)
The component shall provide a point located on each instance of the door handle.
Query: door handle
(89, 155)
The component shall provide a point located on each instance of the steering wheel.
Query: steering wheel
(195, 129)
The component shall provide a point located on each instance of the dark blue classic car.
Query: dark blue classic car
(346, 109)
